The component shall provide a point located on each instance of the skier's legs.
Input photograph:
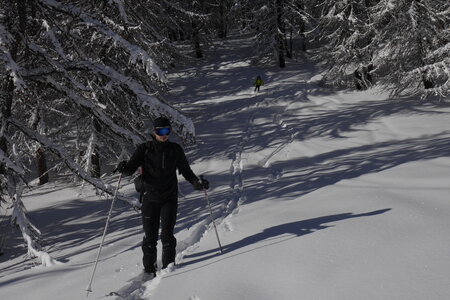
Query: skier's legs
(150, 221)
(168, 240)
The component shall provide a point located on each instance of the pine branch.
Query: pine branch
(74, 167)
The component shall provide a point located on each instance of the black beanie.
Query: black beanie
(161, 122)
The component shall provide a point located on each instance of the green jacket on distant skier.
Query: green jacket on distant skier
(258, 83)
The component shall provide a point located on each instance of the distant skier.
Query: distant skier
(258, 83)
(160, 160)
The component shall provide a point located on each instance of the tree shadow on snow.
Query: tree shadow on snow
(275, 235)
(276, 126)
(73, 228)
(293, 178)
(297, 177)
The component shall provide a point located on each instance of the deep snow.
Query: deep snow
(317, 194)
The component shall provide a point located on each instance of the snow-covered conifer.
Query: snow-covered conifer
(412, 41)
(271, 21)
(77, 77)
(345, 35)
(403, 44)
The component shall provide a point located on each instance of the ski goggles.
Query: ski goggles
(162, 131)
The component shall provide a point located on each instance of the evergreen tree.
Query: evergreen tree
(405, 44)
(81, 80)
(222, 9)
(271, 21)
(345, 33)
(413, 45)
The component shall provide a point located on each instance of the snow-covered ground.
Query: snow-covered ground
(317, 194)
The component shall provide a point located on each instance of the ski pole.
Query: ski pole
(89, 288)
(212, 219)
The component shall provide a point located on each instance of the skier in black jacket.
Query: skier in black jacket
(160, 159)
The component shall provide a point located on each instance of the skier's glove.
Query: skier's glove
(201, 184)
(204, 182)
(197, 185)
(120, 167)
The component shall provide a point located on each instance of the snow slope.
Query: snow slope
(317, 194)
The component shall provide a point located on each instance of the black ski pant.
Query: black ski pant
(153, 215)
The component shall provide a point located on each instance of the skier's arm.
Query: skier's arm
(184, 168)
(135, 161)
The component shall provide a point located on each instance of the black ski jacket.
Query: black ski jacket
(160, 162)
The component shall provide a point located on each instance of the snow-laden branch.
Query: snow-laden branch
(74, 167)
(11, 65)
(30, 233)
(10, 164)
(120, 6)
(442, 51)
(186, 12)
(5, 36)
(90, 150)
(51, 35)
(135, 51)
(442, 91)
(156, 107)
(96, 111)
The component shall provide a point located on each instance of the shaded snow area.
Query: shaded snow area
(316, 194)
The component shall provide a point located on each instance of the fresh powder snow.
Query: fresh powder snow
(316, 194)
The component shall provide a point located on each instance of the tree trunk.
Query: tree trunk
(428, 83)
(303, 35)
(41, 161)
(292, 43)
(196, 39)
(222, 22)
(358, 79)
(370, 68)
(363, 77)
(281, 60)
(289, 50)
(280, 35)
(95, 158)
(41, 166)
(7, 89)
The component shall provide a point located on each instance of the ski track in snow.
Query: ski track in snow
(291, 136)
(237, 198)
(237, 164)
(236, 170)
(237, 186)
